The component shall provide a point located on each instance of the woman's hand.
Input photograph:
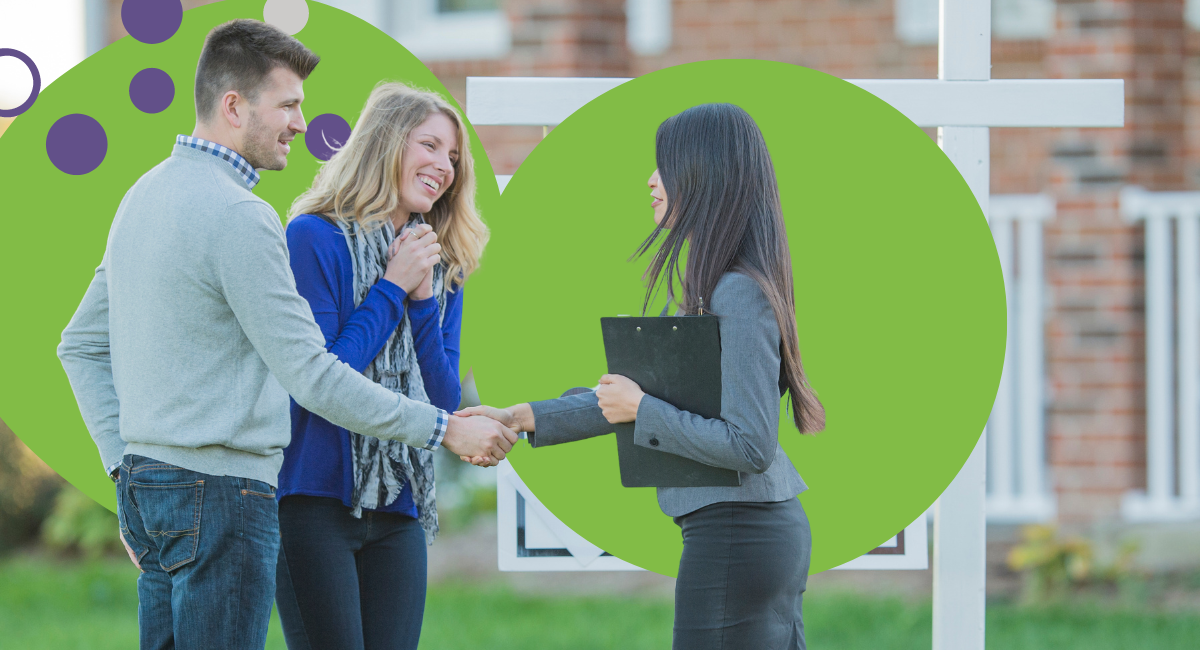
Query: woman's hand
(518, 418)
(413, 254)
(424, 291)
(619, 398)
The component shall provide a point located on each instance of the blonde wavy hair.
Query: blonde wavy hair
(361, 181)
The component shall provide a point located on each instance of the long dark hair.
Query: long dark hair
(723, 202)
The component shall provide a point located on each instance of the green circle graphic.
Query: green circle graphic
(56, 224)
(899, 294)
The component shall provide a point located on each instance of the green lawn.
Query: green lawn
(56, 604)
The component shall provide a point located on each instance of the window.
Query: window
(438, 30)
(917, 20)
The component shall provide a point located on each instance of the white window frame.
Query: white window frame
(917, 20)
(433, 35)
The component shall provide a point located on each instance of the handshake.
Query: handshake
(482, 435)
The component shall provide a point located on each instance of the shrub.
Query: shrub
(77, 523)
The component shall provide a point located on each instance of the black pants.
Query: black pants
(349, 584)
(742, 577)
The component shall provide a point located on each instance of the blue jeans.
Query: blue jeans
(346, 583)
(207, 546)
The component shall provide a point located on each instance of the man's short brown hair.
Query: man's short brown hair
(239, 55)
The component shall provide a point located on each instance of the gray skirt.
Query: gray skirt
(742, 577)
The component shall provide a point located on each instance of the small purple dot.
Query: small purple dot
(76, 144)
(151, 21)
(326, 134)
(152, 90)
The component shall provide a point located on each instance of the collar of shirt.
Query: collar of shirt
(249, 174)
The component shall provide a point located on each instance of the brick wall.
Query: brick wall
(1095, 320)
(1094, 260)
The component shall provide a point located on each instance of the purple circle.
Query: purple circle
(152, 90)
(37, 82)
(326, 134)
(151, 21)
(76, 144)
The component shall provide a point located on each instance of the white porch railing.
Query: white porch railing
(1172, 355)
(1017, 490)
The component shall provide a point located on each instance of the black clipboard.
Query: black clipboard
(678, 360)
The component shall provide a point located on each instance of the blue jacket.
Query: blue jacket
(317, 462)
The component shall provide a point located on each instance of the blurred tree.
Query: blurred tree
(27, 491)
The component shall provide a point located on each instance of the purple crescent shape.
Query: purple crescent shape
(326, 134)
(151, 21)
(37, 82)
(76, 144)
(152, 90)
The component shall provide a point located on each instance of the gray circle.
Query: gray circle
(289, 15)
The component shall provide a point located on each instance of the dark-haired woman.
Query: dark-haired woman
(746, 549)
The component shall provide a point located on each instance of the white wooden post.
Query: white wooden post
(960, 520)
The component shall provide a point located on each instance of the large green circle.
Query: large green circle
(56, 224)
(900, 300)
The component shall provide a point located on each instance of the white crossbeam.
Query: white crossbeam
(547, 101)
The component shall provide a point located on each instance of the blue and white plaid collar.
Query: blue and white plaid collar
(224, 153)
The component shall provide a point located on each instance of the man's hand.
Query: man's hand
(129, 551)
(619, 398)
(478, 437)
(518, 418)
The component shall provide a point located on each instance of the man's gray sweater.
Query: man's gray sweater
(191, 335)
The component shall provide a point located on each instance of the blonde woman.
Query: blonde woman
(380, 246)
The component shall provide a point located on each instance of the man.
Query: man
(189, 341)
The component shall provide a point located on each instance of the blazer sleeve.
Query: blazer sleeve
(746, 436)
(567, 419)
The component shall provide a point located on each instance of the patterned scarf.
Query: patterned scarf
(382, 466)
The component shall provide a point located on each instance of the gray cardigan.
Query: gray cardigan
(191, 334)
(744, 438)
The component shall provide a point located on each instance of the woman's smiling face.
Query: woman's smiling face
(427, 166)
(658, 197)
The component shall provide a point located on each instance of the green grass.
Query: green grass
(46, 603)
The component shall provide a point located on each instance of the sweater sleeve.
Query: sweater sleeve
(254, 275)
(85, 357)
(317, 266)
(437, 349)
(84, 353)
(746, 436)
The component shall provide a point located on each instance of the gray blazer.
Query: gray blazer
(745, 438)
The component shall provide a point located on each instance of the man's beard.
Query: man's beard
(259, 146)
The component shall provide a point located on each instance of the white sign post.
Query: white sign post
(963, 102)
